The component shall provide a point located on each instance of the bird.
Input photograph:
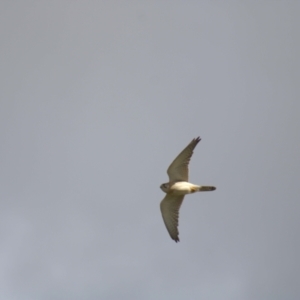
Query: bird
(177, 187)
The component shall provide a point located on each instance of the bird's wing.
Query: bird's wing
(169, 207)
(179, 168)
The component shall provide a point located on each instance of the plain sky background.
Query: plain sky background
(97, 98)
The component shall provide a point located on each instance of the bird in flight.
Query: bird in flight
(177, 187)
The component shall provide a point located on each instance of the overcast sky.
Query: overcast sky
(97, 98)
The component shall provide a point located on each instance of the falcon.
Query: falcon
(177, 187)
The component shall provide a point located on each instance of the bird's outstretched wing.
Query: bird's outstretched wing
(169, 207)
(179, 168)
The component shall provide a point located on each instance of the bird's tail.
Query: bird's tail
(207, 188)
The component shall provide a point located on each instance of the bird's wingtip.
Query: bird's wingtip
(197, 139)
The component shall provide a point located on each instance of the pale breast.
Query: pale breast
(181, 188)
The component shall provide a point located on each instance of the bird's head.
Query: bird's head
(165, 187)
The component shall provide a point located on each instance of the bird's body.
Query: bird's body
(183, 188)
(177, 187)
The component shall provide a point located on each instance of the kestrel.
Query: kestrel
(177, 187)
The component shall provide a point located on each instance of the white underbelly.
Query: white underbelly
(183, 188)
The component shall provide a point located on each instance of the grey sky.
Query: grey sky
(97, 98)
